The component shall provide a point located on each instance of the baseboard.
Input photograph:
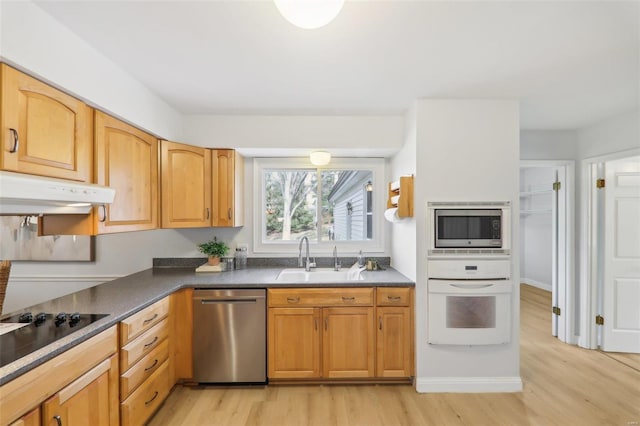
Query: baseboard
(534, 283)
(468, 384)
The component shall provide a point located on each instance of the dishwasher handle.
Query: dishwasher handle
(228, 300)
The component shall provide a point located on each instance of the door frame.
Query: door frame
(588, 249)
(566, 255)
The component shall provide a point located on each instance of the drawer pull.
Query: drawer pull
(315, 323)
(155, 395)
(293, 299)
(147, 321)
(104, 214)
(58, 420)
(155, 339)
(16, 141)
(348, 299)
(152, 365)
(394, 298)
(380, 321)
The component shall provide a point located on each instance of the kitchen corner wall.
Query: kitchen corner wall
(468, 150)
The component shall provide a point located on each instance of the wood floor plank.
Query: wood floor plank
(563, 385)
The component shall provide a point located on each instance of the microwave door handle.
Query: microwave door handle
(471, 286)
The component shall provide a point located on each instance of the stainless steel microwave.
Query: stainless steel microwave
(470, 226)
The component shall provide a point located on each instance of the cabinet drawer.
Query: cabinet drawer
(393, 296)
(144, 401)
(137, 323)
(320, 297)
(143, 344)
(144, 368)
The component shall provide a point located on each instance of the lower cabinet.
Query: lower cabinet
(144, 362)
(77, 387)
(86, 400)
(340, 334)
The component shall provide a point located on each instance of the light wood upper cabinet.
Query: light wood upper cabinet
(44, 131)
(127, 160)
(227, 167)
(186, 185)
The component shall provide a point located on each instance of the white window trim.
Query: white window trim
(376, 245)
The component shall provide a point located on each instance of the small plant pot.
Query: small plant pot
(213, 260)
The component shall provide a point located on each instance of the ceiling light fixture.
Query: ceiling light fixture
(320, 158)
(309, 14)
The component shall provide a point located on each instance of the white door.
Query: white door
(559, 321)
(621, 276)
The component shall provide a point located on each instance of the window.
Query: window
(339, 204)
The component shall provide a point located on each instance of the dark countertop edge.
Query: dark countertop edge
(50, 351)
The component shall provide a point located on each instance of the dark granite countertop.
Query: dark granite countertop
(125, 296)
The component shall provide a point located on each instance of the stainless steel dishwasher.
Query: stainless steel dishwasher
(229, 336)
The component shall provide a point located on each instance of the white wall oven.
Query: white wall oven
(469, 228)
(469, 302)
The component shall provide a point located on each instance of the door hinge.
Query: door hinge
(599, 320)
(557, 186)
(556, 310)
(600, 183)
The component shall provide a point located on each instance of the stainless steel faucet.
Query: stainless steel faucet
(336, 263)
(307, 263)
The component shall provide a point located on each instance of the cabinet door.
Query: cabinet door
(294, 343)
(86, 401)
(44, 131)
(126, 160)
(186, 185)
(32, 418)
(393, 347)
(348, 345)
(226, 200)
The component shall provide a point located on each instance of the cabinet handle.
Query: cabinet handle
(147, 321)
(152, 365)
(380, 322)
(155, 395)
(293, 299)
(229, 213)
(58, 420)
(208, 213)
(155, 339)
(16, 141)
(104, 213)
(326, 324)
(315, 323)
(393, 298)
(348, 299)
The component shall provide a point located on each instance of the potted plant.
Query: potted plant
(214, 249)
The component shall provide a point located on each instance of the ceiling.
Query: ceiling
(570, 63)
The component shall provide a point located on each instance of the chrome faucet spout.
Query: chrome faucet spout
(336, 263)
(307, 263)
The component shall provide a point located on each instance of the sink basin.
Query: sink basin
(319, 275)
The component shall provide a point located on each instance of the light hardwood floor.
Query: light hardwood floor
(563, 385)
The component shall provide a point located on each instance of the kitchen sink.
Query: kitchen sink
(319, 275)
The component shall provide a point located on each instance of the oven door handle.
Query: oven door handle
(471, 286)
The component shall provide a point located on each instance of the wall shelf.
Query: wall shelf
(401, 196)
(538, 192)
(536, 211)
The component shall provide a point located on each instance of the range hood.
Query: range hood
(22, 194)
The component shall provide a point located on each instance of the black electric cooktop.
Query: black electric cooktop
(39, 330)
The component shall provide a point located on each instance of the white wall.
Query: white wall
(616, 134)
(403, 234)
(286, 135)
(467, 150)
(548, 144)
(34, 42)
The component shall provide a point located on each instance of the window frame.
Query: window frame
(376, 245)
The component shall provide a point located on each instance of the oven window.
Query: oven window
(468, 227)
(471, 312)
